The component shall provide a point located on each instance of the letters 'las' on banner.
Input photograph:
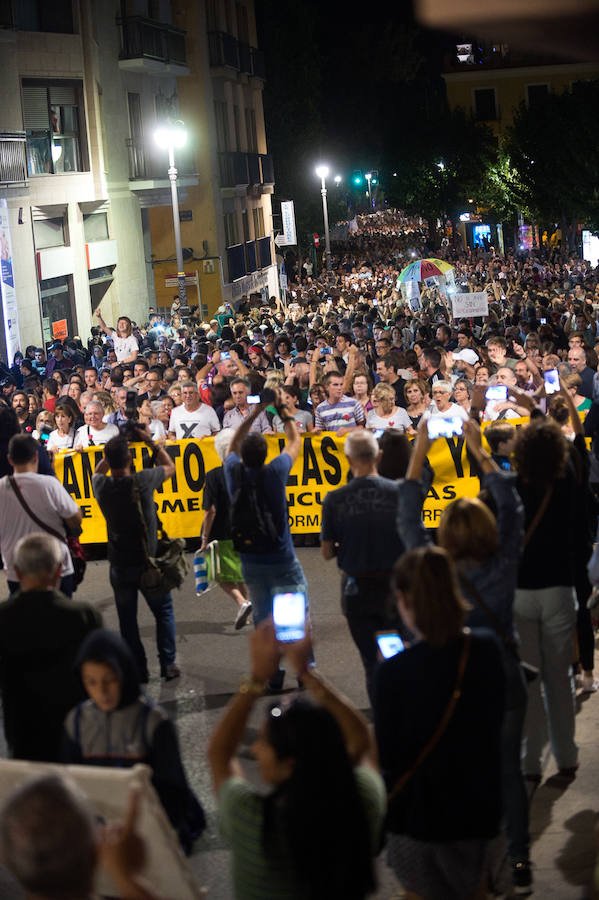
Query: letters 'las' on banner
(321, 467)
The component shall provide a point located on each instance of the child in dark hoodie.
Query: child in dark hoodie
(119, 726)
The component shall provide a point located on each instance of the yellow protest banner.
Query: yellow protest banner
(321, 467)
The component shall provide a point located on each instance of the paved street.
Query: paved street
(214, 658)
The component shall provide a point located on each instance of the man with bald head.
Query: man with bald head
(358, 527)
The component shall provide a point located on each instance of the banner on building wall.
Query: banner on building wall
(321, 467)
(289, 236)
(7, 286)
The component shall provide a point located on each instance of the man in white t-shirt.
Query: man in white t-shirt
(193, 419)
(45, 497)
(95, 431)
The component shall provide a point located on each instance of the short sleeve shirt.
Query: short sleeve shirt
(200, 423)
(399, 420)
(86, 436)
(124, 347)
(347, 413)
(50, 502)
(241, 823)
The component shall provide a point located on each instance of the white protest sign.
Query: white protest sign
(466, 305)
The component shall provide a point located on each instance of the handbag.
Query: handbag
(445, 720)
(530, 672)
(76, 551)
(167, 569)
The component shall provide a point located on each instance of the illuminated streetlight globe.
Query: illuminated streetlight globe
(338, 179)
(368, 176)
(322, 171)
(171, 136)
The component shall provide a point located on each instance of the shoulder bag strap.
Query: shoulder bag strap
(144, 528)
(445, 720)
(476, 595)
(538, 516)
(30, 513)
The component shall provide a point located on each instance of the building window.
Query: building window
(230, 229)
(212, 15)
(485, 107)
(258, 222)
(57, 305)
(39, 15)
(536, 93)
(52, 124)
(222, 126)
(250, 127)
(237, 127)
(95, 227)
(48, 233)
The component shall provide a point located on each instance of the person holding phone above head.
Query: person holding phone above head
(259, 517)
(438, 709)
(316, 833)
(485, 548)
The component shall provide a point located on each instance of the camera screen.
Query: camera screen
(390, 644)
(551, 377)
(437, 427)
(289, 615)
(496, 392)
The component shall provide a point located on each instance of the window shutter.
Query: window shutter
(35, 108)
(62, 95)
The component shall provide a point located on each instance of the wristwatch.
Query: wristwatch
(249, 685)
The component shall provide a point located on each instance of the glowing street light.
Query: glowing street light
(170, 138)
(441, 165)
(322, 172)
(368, 177)
(338, 179)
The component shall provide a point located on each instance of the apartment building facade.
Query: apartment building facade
(85, 209)
(491, 80)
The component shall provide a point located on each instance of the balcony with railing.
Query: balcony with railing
(148, 46)
(236, 262)
(233, 170)
(264, 252)
(13, 158)
(227, 53)
(148, 169)
(250, 256)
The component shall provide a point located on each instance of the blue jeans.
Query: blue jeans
(263, 580)
(515, 798)
(125, 584)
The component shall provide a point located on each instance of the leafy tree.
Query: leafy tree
(440, 165)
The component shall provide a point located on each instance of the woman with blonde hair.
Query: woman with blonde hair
(485, 548)
(175, 394)
(106, 400)
(386, 413)
(438, 710)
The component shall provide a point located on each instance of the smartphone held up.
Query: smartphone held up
(289, 614)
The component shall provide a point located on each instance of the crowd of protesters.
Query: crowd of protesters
(510, 579)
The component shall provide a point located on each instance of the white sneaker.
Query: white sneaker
(243, 614)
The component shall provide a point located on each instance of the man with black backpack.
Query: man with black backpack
(259, 517)
(126, 499)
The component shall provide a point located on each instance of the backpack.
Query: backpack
(252, 526)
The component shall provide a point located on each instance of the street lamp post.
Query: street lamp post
(169, 138)
(322, 172)
(368, 177)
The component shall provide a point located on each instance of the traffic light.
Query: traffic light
(357, 179)
(375, 177)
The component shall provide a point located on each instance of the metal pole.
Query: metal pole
(325, 213)
(172, 174)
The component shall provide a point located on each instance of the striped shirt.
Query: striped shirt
(241, 823)
(346, 413)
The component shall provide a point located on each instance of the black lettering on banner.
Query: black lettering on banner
(456, 454)
(193, 504)
(145, 457)
(432, 494)
(331, 458)
(311, 470)
(307, 498)
(69, 476)
(194, 483)
(89, 461)
(299, 521)
(449, 492)
(86, 511)
(313, 521)
(174, 451)
(172, 506)
(431, 515)
(290, 500)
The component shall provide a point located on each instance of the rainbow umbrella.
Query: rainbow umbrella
(421, 269)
